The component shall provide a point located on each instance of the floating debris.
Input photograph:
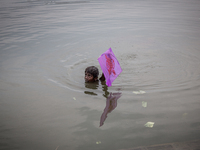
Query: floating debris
(98, 142)
(74, 98)
(149, 124)
(139, 92)
(144, 104)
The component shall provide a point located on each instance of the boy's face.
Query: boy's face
(89, 77)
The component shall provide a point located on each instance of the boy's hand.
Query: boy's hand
(102, 78)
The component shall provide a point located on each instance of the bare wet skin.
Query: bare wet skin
(45, 47)
(89, 78)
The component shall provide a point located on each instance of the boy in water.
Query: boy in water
(92, 73)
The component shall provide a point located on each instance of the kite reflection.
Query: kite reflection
(111, 98)
(111, 104)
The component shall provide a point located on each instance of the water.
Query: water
(45, 47)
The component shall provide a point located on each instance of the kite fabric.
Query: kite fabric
(110, 66)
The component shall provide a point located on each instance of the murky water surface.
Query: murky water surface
(45, 47)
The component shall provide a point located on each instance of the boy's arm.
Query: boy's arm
(102, 78)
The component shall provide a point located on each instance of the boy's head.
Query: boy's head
(91, 74)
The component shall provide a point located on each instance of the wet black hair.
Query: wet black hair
(93, 71)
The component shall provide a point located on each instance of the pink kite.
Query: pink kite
(110, 66)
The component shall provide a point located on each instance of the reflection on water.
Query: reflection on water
(111, 104)
(111, 100)
(105, 89)
(94, 86)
